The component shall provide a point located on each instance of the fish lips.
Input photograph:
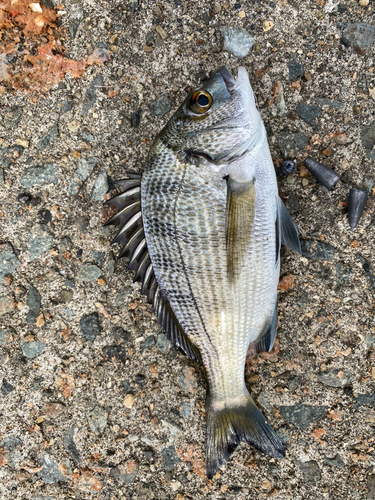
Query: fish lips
(229, 80)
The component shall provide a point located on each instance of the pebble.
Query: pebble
(236, 40)
(12, 445)
(39, 240)
(97, 420)
(161, 106)
(100, 187)
(32, 349)
(49, 138)
(360, 36)
(126, 472)
(84, 169)
(88, 272)
(129, 400)
(8, 260)
(12, 116)
(90, 96)
(317, 250)
(150, 341)
(10, 154)
(162, 342)
(336, 461)
(6, 387)
(264, 401)
(135, 118)
(302, 415)
(309, 114)
(174, 430)
(280, 101)
(90, 326)
(296, 70)
(46, 174)
(70, 445)
(50, 472)
(329, 102)
(291, 144)
(169, 458)
(161, 32)
(87, 135)
(368, 135)
(343, 273)
(371, 487)
(33, 302)
(368, 271)
(335, 378)
(115, 351)
(310, 471)
(366, 399)
(66, 296)
(185, 409)
(292, 203)
(6, 304)
(187, 381)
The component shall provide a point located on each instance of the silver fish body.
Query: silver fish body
(213, 223)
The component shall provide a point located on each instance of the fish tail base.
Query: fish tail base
(228, 425)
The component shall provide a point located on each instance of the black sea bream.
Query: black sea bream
(202, 228)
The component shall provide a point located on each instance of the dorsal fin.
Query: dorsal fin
(128, 219)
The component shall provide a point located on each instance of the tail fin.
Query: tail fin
(228, 426)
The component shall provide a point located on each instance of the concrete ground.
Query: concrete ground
(94, 402)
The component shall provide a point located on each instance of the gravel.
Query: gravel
(302, 415)
(236, 40)
(41, 174)
(8, 260)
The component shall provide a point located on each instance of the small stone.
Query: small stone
(310, 471)
(264, 401)
(280, 101)
(161, 106)
(66, 296)
(309, 114)
(162, 342)
(188, 380)
(90, 96)
(12, 446)
(329, 102)
(347, 176)
(366, 399)
(39, 240)
(368, 270)
(335, 378)
(150, 341)
(115, 351)
(126, 472)
(161, 32)
(50, 472)
(169, 458)
(89, 272)
(87, 135)
(33, 303)
(216, 7)
(236, 40)
(296, 70)
(12, 116)
(360, 36)
(32, 349)
(302, 415)
(129, 400)
(46, 174)
(368, 135)
(292, 204)
(267, 25)
(85, 168)
(292, 144)
(100, 187)
(6, 387)
(8, 260)
(6, 304)
(336, 461)
(49, 138)
(10, 155)
(90, 326)
(135, 118)
(70, 445)
(97, 419)
(371, 487)
(317, 250)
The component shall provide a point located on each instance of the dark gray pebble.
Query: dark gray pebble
(291, 144)
(70, 445)
(90, 326)
(161, 106)
(97, 419)
(296, 70)
(309, 114)
(6, 387)
(50, 472)
(115, 351)
(146, 344)
(302, 415)
(12, 116)
(343, 273)
(368, 270)
(125, 473)
(90, 96)
(360, 36)
(310, 471)
(292, 203)
(49, 138)
(8, 260)
(10, 155)
(368, 135)
(335, 378)
(84, 169)
(317, 250)
(329, 102)
(366, 399)
(32, 349)
(33, 302)
(39, 240)
(41, 174)
(136, 117)
(169, 458)
(336, 461)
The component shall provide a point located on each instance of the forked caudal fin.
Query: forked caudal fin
(228, 425)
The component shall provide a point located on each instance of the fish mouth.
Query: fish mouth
(229, 79)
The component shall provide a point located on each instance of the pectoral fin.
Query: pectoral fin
(289, 233)
(240, 220)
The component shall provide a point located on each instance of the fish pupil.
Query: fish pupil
(203, 100)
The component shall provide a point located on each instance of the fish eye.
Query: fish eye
(200, 101)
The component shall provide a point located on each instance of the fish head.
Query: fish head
(219, 120)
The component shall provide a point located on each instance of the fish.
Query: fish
(202, 229)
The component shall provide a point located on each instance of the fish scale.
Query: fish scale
(212, 221)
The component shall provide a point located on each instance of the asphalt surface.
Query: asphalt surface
(94, 403)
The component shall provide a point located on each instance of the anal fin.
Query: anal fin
(266, 340)
(289, 233)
